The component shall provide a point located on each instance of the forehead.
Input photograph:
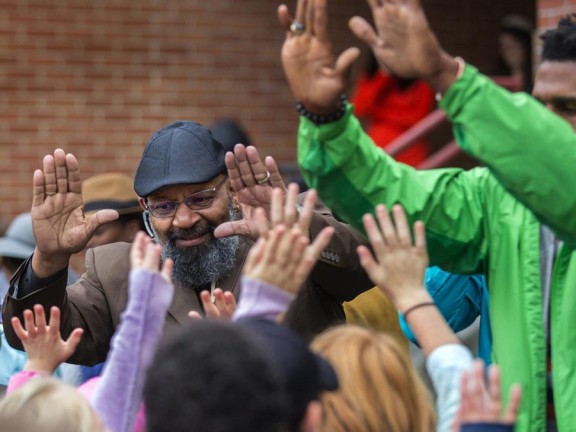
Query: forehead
(177, 192)
(555, 79)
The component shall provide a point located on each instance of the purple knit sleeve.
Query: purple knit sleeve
(261, 300)
(118, 394)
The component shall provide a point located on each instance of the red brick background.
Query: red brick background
(549, 11)
(98, 77)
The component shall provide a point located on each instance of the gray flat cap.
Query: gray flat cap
(183, 152)
(18, 242)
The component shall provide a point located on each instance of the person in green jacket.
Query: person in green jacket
(514, 220)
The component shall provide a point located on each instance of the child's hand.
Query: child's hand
(399, 264)
(479, 404)
(145, 254)
(285, 211)
(285, 258)
(283, 255)
(222, 308)
(45, 347)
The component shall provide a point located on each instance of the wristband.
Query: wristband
(417, 306)
(319, 119)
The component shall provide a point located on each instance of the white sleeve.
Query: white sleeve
(445, 366)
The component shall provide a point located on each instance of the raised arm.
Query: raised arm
(119, 392)
(58, 221)
(338, 159)
(515, 136)
(398, 267)
(60, 229)
(282, 259)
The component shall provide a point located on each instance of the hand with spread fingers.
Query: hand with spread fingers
(284, 210)
(316, 77)
(221, 309)
(284, 256)
(252, 181)
(43, 344)
(482, 404)
(58, 221)
(398, 264)
(404, 44)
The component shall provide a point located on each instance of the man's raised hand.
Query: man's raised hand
(58, 221)
(404, 44)
(252, 181)
(316, 77)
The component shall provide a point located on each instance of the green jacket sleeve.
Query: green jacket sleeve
(352, 176)
(529, 149)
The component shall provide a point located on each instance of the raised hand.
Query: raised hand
(316, 77)
(145, 254)
(58, 221)
(43, 344)
(252, 181)
(479, 404)
(283, 256)
(285, 211)
(404, 43)
(398, 264)
(222, 308)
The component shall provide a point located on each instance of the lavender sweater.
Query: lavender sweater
(117, 394)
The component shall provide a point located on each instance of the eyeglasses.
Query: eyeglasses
(564, 106)
(197, 201)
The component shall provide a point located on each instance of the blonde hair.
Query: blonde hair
(48, 405)
(380, 389)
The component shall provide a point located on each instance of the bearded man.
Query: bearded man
(200, 205)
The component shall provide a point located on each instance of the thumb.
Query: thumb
(363, 31)
(346, 59)
(227, 229)
(100, 218)
(73, 341)
(195, 316)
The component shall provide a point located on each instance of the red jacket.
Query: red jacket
(391, 111)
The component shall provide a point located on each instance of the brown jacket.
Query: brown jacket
(97, 299)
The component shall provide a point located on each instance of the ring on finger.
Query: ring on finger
(297, 28)
(49, 193)
(264, 180)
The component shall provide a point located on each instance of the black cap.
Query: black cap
(183, 152)
(304, 375)
(230, 133)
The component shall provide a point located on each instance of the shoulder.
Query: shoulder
(110, 262)
(113, 252)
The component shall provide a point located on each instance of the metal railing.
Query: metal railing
(441, 157)
(436, 118)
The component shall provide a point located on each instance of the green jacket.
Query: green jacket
(478, 221)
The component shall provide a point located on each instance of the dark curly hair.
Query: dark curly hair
(560, 42)
(212, 377)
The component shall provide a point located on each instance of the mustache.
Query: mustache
(190, 233)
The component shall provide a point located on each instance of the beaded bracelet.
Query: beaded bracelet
(319, 119)
(417, 306)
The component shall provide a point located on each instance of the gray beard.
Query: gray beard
(198, 266)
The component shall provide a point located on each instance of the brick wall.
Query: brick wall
(550, 11)
(98, 77)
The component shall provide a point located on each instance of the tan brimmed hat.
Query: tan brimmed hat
(110, 191)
